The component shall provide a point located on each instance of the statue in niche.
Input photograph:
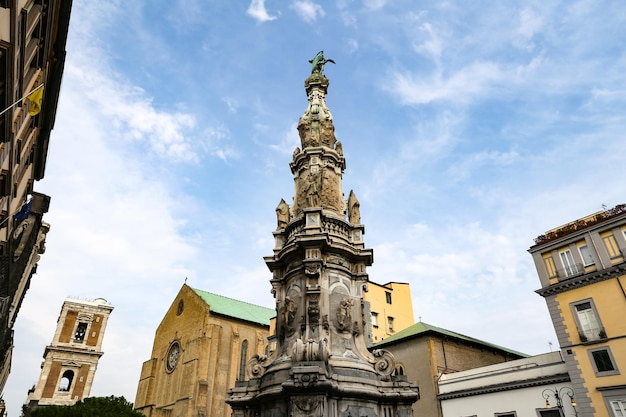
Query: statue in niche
(339, 148)
(354, 211)
(327, 133)
(312, 190)
(289, 311)
(344, 314)
(318, 63)
(296, 152)
(282, 214)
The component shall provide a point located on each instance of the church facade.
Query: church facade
(200, 349)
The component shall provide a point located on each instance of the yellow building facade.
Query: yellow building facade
(390, 309)
(201, 347)
(582, 270)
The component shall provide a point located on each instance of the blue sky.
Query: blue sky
(469, 128)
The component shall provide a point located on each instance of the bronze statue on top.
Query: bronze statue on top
(318, 62)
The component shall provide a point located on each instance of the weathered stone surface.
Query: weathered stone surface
(321, 366)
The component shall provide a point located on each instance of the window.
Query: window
(507, 414)
(568, 263)
(618, 408)
(603, 362)
(388, 296)
(66, 381)
(549, 412)
(79, 336)
(390, 323)
(550, 267)
(585, 254)
(586, 316)
(611, 245)
(242, 360)
(374, 319)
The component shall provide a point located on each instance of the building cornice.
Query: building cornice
(508, 386)
(583, 280)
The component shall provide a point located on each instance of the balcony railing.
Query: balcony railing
(571, 270)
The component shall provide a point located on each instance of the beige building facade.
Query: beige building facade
(424, 353)
(71, 360)
(201, 347)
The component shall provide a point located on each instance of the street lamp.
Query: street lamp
(558, 396)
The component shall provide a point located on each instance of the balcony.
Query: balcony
(571, 271)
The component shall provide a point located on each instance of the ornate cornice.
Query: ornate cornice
(583, 280)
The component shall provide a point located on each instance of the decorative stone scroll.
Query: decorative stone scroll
(383, 361)
(257, 365)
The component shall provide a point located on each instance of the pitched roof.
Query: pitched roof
(421, 328)
(235, 308)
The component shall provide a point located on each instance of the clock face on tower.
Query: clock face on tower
(172, 356)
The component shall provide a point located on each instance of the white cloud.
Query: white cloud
(530, 24)
(290, 139)
(374, 4)
(477, 162)
(462, 86)
(433, 45)
(257, 11)
(308, 10)
(351, 45)
(133, 115)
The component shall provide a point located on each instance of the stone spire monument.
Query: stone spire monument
(320, 366)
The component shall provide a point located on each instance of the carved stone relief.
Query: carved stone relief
(307, 407)
(344, 315)
(338, 260)
(288, 310)
(310, 350)
(313, 312)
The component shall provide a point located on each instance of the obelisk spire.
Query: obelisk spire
(318, 167)
(320, 365)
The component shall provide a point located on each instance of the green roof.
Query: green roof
(236, 309)
(421, 328)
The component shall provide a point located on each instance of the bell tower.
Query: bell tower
(70, 361)
(321, 366)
